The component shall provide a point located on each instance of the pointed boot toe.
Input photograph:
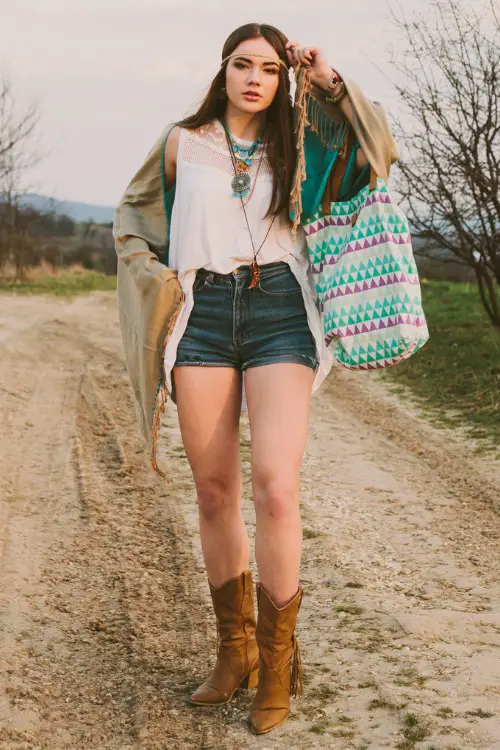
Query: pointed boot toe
(209, 695)
(262, 721)
(237, 651)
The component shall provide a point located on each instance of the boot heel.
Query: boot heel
(251, 680)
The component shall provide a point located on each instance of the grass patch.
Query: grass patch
(414, 730)
(322, 692)
(382, 703)
(410, 678)
(318, 728)
(350, 609)
(479, 713)
(64, 284)
(445, 712)
(459, 367)
(311, 533)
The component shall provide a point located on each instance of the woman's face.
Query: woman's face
(259, 75)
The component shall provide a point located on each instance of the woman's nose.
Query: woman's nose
(254, 75)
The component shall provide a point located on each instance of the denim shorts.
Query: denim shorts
(233, 326)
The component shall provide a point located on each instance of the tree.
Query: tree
(17, 129)
(450, 169)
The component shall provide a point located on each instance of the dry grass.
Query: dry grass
(62, 282)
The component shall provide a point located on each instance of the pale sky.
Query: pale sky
(109, 74)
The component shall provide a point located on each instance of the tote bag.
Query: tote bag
(367, 282)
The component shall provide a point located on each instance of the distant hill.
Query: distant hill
(73, 209)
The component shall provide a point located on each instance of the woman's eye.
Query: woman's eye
(239, 65)
(273, 71)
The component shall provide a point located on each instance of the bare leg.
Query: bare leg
(209, 405)
(279, 398)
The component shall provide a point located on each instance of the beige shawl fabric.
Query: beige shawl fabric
(148, 292)
(149, 295)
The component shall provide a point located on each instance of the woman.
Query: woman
(248, 327)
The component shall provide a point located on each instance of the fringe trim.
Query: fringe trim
(303, 76)
(333, 135)
(162, 395)
(296, 676)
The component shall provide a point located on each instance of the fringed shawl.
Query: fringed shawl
(369, 127)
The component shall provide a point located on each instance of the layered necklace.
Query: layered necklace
(241, 182)
(241, 157)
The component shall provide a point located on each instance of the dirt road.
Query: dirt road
(105, 621)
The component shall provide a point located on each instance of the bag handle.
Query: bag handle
(164, 189)
(336, 176)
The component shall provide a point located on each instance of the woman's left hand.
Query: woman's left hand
(311, 57)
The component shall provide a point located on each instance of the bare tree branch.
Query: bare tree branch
(17, 129)
(449, 73)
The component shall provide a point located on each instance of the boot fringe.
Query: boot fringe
(296, 676)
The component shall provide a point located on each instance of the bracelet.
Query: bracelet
(336, 99)
(333, 80)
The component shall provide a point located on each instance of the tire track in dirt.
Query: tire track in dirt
(105, 617)
(112, 620)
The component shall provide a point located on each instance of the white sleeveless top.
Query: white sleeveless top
(208, 229)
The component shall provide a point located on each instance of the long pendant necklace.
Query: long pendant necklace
(254, 265)
(241, 181)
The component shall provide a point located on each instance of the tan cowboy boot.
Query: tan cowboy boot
(280, 669)
(237, 662)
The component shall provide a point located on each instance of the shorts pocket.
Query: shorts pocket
(201, 281)
(281, 284)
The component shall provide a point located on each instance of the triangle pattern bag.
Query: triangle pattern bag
(367, 281)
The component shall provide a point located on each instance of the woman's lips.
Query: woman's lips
(251, 97)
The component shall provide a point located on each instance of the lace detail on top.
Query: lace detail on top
(207, 146)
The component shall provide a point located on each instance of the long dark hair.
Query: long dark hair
(281, 147)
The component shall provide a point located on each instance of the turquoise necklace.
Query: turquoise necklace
(241, 182)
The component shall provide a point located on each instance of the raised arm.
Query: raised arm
(367, 118)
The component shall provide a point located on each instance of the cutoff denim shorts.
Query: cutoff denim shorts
(233, 326)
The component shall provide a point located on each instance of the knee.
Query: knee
(276, 497)
(216, 496)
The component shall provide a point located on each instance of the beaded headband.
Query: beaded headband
(256, 54)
